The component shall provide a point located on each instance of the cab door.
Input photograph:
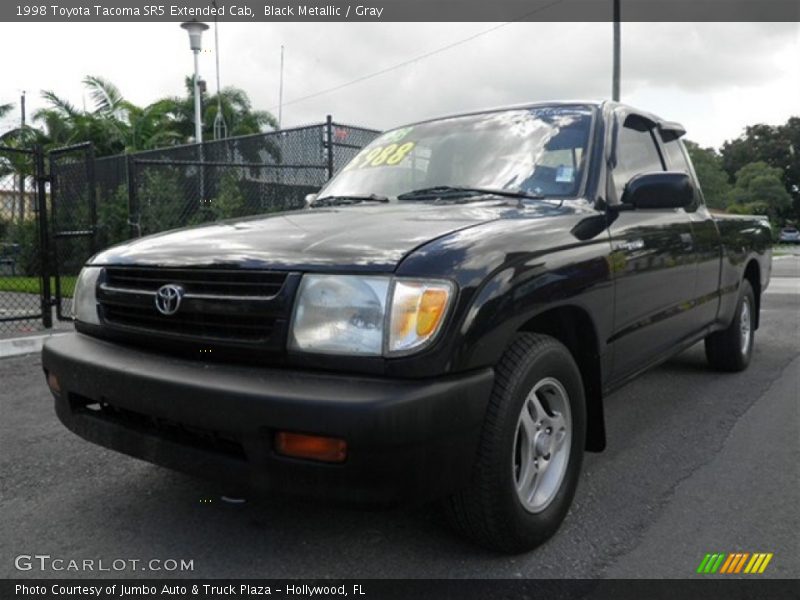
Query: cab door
(708, 248)
(653, 260)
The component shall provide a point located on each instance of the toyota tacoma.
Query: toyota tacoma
(442, 321)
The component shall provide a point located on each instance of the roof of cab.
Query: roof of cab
(676, 129)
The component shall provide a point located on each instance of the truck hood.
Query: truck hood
(357, 238)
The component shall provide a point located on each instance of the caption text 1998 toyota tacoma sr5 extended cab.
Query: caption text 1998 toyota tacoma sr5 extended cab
(441, 322)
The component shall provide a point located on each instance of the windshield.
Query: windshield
(539, 151)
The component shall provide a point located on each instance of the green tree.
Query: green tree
(64, 124)
(776, 145)
(713, 178)
(229, 202)
(112, 217)
(237, 110)
(5, 109)
(115, 125)
(162, 202)
(759, 190)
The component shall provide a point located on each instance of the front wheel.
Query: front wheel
(531, 449)
(732, 348)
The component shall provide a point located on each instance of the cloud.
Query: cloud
(714, 77)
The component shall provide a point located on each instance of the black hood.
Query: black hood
(357, 238)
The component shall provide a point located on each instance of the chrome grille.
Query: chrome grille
(262, 284)
(227, 307)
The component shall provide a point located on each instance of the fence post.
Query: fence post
(329, 143)
(44, 237)
(133, 214)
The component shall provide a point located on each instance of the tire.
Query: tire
(491, 511)
(731, 349)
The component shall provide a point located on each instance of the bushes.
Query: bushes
(229, 202)
(26, 236)
(161, 200)
(112, 218)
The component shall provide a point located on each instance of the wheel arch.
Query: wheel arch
(573, 327)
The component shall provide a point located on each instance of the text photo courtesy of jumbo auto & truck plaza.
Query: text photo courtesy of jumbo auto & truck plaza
(399, 299)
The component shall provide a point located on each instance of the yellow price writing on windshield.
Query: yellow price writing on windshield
(389, 155)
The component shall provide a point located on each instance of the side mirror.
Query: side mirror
(663, 189)
(310, 199)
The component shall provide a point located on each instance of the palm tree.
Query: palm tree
(5, 109)
(115, 125)
(105, 126)
(237, 110)
(153, 126)
(7, 137)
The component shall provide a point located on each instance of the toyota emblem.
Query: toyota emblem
(168, 299)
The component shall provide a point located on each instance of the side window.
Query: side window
(636, 153)
(676, 159)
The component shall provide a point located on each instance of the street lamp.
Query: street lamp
(195, 30)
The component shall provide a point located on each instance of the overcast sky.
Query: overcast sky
(715, 78)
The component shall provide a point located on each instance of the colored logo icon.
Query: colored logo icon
(735, 562)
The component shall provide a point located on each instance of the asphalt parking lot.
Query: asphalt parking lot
(697, 462)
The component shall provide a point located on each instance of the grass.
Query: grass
(784, 249)
(32, 285)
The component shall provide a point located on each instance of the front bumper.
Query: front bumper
(408, 441)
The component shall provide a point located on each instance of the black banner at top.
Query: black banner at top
(397, 10)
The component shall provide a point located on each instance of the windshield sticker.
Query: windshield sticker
(381, 156)
(565, 174)
(396, 135)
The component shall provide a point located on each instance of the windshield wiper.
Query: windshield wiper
(347, 200)
(446, 192)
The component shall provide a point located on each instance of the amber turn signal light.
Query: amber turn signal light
(313, 447)
(52, 382)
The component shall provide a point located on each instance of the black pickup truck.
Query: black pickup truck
(442, 321)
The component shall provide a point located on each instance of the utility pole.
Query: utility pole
(615, 94)
(220, 126)
(280, 93)
(22, 171)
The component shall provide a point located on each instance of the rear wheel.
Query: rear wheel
(531, 449)
(732, 348)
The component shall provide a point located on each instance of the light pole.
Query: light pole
(615, 91)
(195, 30)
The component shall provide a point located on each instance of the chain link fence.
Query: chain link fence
(73, 218)
(95, 203)
(158, 190)
(20, 248)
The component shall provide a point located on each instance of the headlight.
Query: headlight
(84, 300)
(367, 316)
(340, 314)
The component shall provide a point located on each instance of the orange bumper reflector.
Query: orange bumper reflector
(314, 447)
(52, 381)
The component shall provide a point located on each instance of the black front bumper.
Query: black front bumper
(408, 440)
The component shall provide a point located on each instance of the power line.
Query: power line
(421, 56)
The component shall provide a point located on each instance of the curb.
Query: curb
(24, 345)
